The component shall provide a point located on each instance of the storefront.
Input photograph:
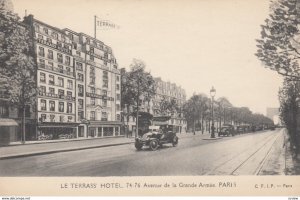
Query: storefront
(55, 131)
(104, 129)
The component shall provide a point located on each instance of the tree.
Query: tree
(136, 84)
(17, 66)
(289, 111)
(167, 106)
(222, 103)
(278, 47)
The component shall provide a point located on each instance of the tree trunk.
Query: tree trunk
(202, 127)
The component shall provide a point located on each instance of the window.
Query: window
(43, 104)
(92, 58)
(55, 35)
(40, 37)
(69, 94)
(61, 93)
(51, 91)
(63, 38)
(61, 118)
(43, 90)
(70, 118)
(60, 58)
(118, 97)
(92, 71)
(78, 53)
(105, 63)
(80, 115)
(80, 77)
(88, 41)
(59, 44)
(104, 116)
(52, 105)
(45, 31)
(91, 49)
(41, 51)
(60, 68)
(43, 117)
(93, 117)
(37, 27)
(118, 86)
(52, 118)
(93, 90)
(71, 36)
(118, 107)
(70, 84)
(51, 80)
(118, 78)
(69, 109)
(42, 63)
(79, 66)
(60, 82)
(49, 40)
(68, 70)
(104, 102)
(80, 90)
(92, 101)
(68, 60)
(42, 77)
(61, 107)
(50, 54)
(50, 65)
(75, 46)
(80, 103)
(118, 117)
(92, 80)
(105, 83)
(106, 55)
(104, 92)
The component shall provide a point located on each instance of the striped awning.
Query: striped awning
(8, 122)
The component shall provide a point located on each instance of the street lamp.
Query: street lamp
(212, 94)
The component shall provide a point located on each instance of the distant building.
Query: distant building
(165, 90)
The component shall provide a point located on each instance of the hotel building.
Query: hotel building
(79, 84)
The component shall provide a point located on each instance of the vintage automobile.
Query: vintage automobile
(155, 138)
(226, 130)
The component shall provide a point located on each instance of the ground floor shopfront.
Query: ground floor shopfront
(104, 129)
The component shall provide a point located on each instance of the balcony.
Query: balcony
(56, 69)
(57, 96)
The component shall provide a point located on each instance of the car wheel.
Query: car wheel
(153, 145)
(175, 141)
(138, 145)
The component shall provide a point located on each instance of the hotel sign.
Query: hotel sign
(62, 49)
(99, 96)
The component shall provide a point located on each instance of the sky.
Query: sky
(196, 44)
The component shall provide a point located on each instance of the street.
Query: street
(259, 153)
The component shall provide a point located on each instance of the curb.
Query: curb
(62, 150)
(212, 138)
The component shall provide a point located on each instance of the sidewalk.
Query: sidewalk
(32, 148)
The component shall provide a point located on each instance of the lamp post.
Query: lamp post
(212, 94)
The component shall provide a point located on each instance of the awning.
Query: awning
(8, 122)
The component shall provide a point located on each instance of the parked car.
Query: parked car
(156, 138)
(226, 130)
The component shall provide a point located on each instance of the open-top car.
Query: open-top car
(155, 138)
